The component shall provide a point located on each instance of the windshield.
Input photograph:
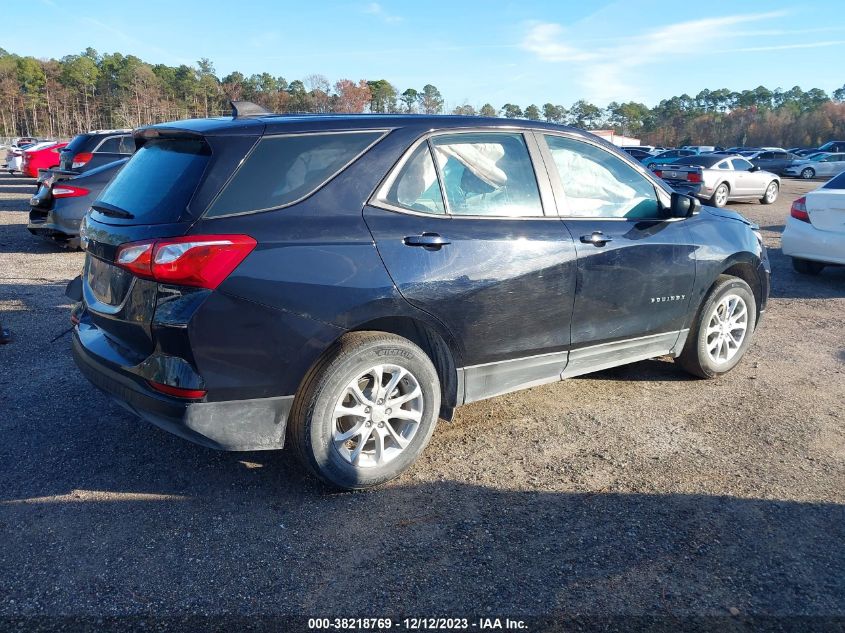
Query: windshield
(157, 183)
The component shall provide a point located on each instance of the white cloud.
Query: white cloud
(612, 70)
(374, 8)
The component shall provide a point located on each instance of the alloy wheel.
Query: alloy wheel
(726, 328)
(377, 416)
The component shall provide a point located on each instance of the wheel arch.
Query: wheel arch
(743, 266)
(437, 345)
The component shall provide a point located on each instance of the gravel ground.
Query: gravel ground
(634, 491)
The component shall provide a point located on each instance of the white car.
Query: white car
(824, 164)
(815, 231)
(14, 156)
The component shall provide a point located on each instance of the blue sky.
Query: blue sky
(474, 52)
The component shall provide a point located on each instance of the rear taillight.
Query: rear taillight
(693, 176)
(658, 173)
(179, 392)
(798, 210)
(203, 261)
(69, 191)
(81, 159)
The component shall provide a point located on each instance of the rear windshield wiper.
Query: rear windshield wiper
(109, 209)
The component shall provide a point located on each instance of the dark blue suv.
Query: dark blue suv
(338, 283)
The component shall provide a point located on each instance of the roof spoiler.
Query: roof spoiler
(247, 108)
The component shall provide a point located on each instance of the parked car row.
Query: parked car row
(66, 189)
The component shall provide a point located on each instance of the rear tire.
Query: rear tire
(720, 195)
(808, 173)
(391, 391)
(771, 193)
(807, 266)
(722, 330)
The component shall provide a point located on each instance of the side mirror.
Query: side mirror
(684, 206)
(754, 168)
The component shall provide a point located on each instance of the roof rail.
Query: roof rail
(247, 108)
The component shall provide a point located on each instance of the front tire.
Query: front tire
(807, 266)
(722, 329)
(808, 173)
(365, 411)
(720, 196)
(771, 193)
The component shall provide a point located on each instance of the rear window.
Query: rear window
(77, 144)
(703, 161)
(156, 185)
(282, 170)
(836, 183)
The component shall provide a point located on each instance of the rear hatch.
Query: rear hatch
(159, 193)
(81, 143)
(149, 198)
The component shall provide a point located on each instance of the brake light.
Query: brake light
(693, 176)
(203, 261)
(798, 210)
(81, 159)
(69, 191)
(179, 392)
(658, 173)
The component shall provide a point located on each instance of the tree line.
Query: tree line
(59, 98)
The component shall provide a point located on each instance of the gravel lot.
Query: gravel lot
(635, 491)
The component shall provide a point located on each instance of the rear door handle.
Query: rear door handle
(433, 241)
(596, 238)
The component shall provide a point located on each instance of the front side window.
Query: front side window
(599, 184)
(488, 174)
(416, 187)
(740, 164)
(282, 170)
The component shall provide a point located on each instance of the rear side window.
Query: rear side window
(416, 188)
(111, 145)
(156, 185)
(127, 145)
(282, 170)
(488, 174)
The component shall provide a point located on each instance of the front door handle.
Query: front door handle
(596, 238)
(432, 241)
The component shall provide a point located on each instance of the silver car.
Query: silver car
(717, 179)
(819, 165)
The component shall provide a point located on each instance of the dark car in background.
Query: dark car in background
(92, 149)
(336, 284)
(57, 209)
(773, 161)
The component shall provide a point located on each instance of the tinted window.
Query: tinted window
(416, 187)
(703, 161)
(766, 155)
(127, 144)
(599, 184)
(779, 155)
(157, 183)
(284, 169)
(740, 164)
(487, 174)
(110, 145)
(836, 183)
(77, 144)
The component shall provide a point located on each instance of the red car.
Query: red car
(44, 158)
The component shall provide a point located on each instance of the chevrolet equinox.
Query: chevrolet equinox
(338, 283)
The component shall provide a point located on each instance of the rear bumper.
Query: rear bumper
(805, 241)
(234, 425)
(46, 223)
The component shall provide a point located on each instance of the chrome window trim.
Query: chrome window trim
(384, 132)
(379, 198)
